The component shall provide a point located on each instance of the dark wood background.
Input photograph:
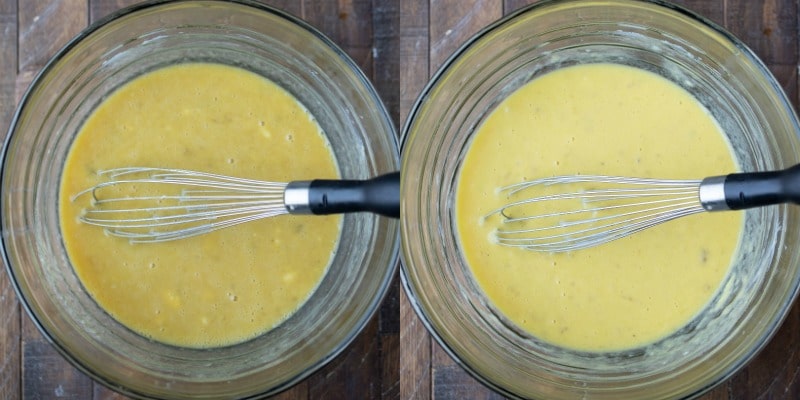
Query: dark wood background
(31, 32)
(399, 44)
(430, 30)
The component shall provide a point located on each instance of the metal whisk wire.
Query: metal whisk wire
(146, 204)
(200, 203)
(585, 211)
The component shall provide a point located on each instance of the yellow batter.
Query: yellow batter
(598, 119)
(227, 286)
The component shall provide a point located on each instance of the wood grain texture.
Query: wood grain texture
(415, 358)
(769, 27)
(354, 374)
(45, 26)
(386, 77)
(346, 22)
(366, 29)
(414, 52)
(457, 21)
(390, 367)
(47, 375)
(513, 5)
(101, 8)
(415, 343)
(10, 353)
(451, 382)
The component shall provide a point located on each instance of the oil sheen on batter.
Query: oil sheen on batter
(227, 286)
(600, 119)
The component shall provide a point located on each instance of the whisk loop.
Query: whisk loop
(568, 213)
(196, 203)
(159, 204)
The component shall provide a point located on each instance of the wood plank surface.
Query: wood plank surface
(398, 44)
(10, 354)
(432, 29)
(415, 361)
(32, 31)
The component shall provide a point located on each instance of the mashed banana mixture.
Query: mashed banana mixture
(227, 286)
(598, 119)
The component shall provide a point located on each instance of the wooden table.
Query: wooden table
(399, 44)
(430, 30)
(31, 32)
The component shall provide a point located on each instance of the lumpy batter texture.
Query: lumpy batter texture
(219, 288)
(601, 119)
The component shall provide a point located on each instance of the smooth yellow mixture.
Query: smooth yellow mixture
(220, 288)
(598, 119)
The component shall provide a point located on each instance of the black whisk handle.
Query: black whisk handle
(380, 195)
(754, 189)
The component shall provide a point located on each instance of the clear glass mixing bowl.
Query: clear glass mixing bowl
(111, 53)
(699, 56)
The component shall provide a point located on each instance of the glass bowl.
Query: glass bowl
(107, 55)
(686, 49)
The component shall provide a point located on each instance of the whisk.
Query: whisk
(567, 213)
(181, 203)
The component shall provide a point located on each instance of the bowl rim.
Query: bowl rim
(302, 25)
